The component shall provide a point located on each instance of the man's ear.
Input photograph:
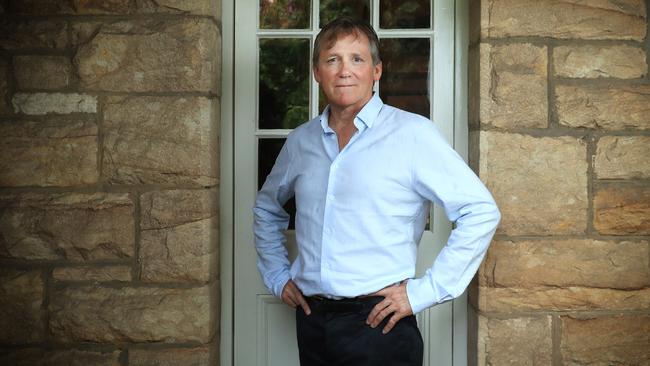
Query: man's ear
(378, 70)
(316, 74)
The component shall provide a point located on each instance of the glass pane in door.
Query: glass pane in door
(405, 79)
(283, 83)
(285, 14)
(331, 9)
(404, 14)
(267, 151)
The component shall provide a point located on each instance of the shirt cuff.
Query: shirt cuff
(278, 286)
(420, 294)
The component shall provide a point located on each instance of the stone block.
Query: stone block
(33, 34)
(128, 314)
(591, 61)
(169, 140)
(58, 103)
(82, 7)
(622, 210)
(561, 299)
(513, 87)
(170, 357)
(21, 298)
(97, 274)
(546, 189)
(518, 341)
(74, 226)
(41, 7)
(83, 358)
(623, 157)
(42, 72)
(23, 357)
(566, 263)
(151, 56)
(57, 152)
(607, 340)
(5, 108)
(178, 241)
(604, 107)
(564, 19)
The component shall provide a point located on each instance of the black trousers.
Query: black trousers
(336, 334)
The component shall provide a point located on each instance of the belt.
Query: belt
(355, 304)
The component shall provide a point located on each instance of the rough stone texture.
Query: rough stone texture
(179, 235)
(174, 55)
(513, 85)
(59, 103)
(564, 19)
(609, 107)
(98, 274)
(57, 152)
(170, 357)
(589, 61)
(55, 7)
(616, 340)
(160, 140)
(561, 299)
(622, 211)
(74, 226)
(546, 187)
(20, 35)
(4, 87)
(83, 358)
(42, 72)
(520, 341)
(23, 357)
(21, 297)
(568, 263)
(623, 157)
(131, 314)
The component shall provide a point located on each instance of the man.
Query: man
(363, 174)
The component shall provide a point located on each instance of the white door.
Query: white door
(268, 91)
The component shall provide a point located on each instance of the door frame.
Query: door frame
(459, 138)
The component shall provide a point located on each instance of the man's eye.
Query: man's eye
(357, 59)
(331, 60)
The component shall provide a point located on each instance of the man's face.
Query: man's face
(345, 72)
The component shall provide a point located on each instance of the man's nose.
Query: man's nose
(345, 69)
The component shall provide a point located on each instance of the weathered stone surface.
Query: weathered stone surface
(99, 274)
(174, 55)
(520, 341)
(561, 299)
(622, 211)
(623, 157)
(546, 189)
(567, 263)
(57, 152)
(18, 35)
(588, 61)
(610, 108)
(131, 314)
(4, 87)
(170, 357)
(23, 357)
(76, 227)
(513, 85)
(179, 235)
(42, 72)
(564, 19)
(616, 340)
(83, 358)
(40, 7)
(59, 103)
(55, 7)
(21, 297)
(160, 140)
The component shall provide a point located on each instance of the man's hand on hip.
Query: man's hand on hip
(395, 302)
(292, 296)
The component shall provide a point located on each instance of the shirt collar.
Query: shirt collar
(367, 115)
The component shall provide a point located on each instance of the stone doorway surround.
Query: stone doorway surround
(109, 177)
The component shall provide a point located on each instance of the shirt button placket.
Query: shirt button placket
(328, 230)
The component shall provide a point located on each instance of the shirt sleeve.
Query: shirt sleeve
(270, 223)
(440, 175)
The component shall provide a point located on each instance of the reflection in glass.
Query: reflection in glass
(404, 14)
(284, 83)
(332, 9)
(284, 14)
(405, 79)
(267, 151)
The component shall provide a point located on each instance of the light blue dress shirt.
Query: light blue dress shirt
(361, 212)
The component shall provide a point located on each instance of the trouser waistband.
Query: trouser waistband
(356, 304)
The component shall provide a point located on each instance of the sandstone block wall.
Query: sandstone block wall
(109, 122)
(560, 133)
